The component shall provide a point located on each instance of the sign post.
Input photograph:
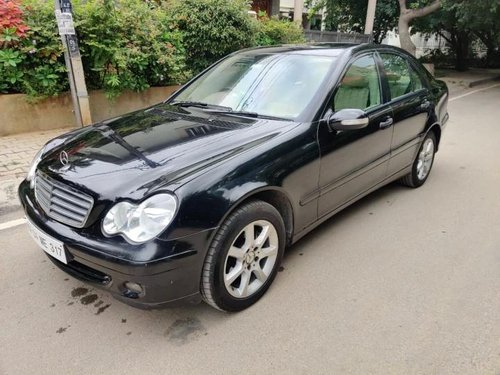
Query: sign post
(370, 16)
(73, 60)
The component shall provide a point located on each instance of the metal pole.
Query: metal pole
(370, 16)
(73, 61)
(74, 98)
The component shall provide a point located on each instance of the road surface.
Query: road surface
(403, 282)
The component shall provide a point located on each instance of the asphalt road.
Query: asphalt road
(403, 282)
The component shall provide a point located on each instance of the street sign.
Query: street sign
(74, 51)
(66, 6)
(65, 23)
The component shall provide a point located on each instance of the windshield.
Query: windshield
(278, 85)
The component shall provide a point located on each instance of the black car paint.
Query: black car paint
(214, 162)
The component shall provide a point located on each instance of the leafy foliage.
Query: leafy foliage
(12, 25)
(272, 30)
(481, 18)
(350, 16)
(465, 24)
(127, 44)
(211, 28)
(32, 56)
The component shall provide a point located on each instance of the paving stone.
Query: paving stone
(17, 152)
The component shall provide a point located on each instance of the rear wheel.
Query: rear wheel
(244, 257)
(422, 165)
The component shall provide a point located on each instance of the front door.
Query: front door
(353, 161)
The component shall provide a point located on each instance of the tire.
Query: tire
(425, 160)
(234, 280)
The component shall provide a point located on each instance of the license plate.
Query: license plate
(48, 244)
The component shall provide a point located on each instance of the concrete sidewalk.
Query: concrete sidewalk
(460, 81)
(18, 150)
(16, 154)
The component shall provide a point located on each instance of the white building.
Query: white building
(424, 44)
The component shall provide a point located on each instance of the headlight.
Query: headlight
(31, 172)
(142, 222)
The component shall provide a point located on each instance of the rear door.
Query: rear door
(410, 103)
(353, 161)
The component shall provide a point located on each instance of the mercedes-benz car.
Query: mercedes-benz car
(197, 198)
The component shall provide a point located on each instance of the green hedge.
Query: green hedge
(125, 44)
(128, 44)
(33, 62)
(271, 31)
(212, 28)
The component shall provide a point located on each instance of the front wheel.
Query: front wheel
(422, 165)
(244, 257)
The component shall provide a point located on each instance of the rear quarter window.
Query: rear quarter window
(401, 76)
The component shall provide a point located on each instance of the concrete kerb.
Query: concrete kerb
(484, 80)
(9, 202)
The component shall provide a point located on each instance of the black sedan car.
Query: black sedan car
(198, 197)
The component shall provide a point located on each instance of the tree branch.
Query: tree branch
(402, 6)
(417, 13)
(443, 35)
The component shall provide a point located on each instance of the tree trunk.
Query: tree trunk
(404, 35)
(406, 16)
(462, 51)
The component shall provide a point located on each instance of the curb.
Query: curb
(484, 80)
(9, 201)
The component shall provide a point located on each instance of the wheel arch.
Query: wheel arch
(436, 129)
(274, 196)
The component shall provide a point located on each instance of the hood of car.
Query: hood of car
(145, 150)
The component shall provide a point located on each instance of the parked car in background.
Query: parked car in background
(198, 197)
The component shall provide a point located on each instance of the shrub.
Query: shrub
(30, 50)
(212, 28)
(128, 44)
(125, 44)
(12, 25)
(273, 31)
(43, 69)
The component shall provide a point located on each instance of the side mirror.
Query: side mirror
(348, 119)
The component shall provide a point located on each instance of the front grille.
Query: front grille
(61, 202)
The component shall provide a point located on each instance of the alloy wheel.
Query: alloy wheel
(251, 259)
(425, 159)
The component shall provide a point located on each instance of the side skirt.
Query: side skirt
(321, 220)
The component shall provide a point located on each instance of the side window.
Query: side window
(360, 87)
(401, 77)
(416, 80)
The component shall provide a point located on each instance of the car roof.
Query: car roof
(319, 49)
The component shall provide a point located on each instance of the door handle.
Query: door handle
(425, 104)
(385, 124)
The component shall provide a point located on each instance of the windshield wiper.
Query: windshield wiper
(248, 114)
(187, 103)
(214, 108)
(114, 136)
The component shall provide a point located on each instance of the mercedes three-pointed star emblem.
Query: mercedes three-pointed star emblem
(64, 158)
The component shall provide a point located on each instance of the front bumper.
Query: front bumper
(168, 271)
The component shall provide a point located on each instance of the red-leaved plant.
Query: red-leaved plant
(12, 26)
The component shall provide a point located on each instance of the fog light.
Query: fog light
(133, 287)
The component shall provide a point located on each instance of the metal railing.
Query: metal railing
(333, 36)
